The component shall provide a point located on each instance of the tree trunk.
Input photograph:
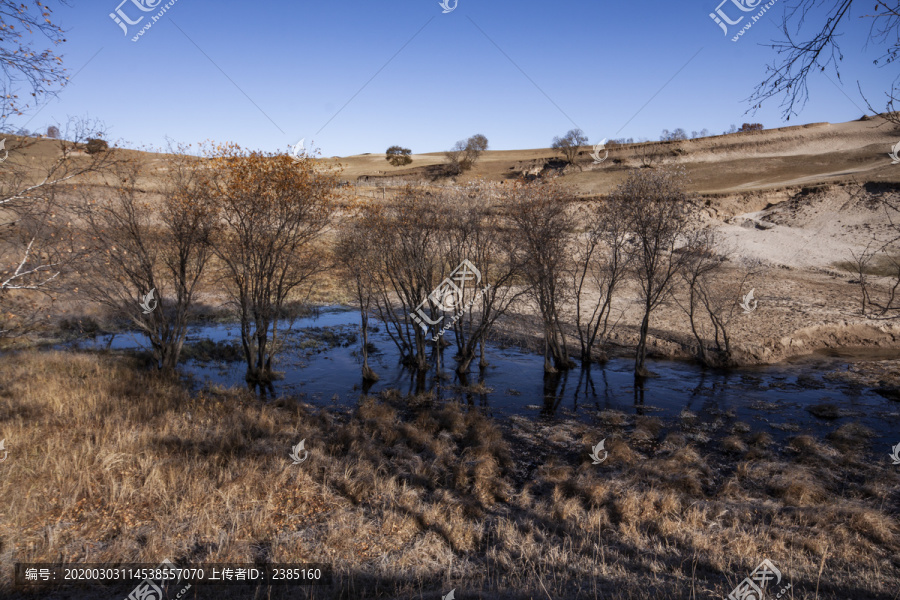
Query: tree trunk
(465, 361)
(259, 367)
(248, 352)
(586, 358)
(640, 370)
(420, 359)
(260, 351)
(367, 373)
(548, 364)
(169, 359)
(559, 351)
(702, 352)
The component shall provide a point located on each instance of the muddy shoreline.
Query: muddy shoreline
(852, 343)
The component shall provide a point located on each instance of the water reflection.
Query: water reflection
(366, 386)
(639, 391)
(554, 389)
(265, 390)
(585, 387)
(321, 360)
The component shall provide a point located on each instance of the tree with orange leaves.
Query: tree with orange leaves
(273, 208)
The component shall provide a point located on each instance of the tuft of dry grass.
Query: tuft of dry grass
(734, 445)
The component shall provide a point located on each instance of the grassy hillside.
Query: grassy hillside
(742, 162)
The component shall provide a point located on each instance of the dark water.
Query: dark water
(321, 366)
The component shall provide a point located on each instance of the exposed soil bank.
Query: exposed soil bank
(669, 340)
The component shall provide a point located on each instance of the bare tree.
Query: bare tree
(570, 144)
(475, 147)
(673, 136)
(465, 153)
(542, 226)
(862, 262)
(455, 157)
(600, 263)
(880, 258)
(151, 249)
(800, 56)
(700, 270)
(273, 209)
(889, 303)
(713, 293)
(647, 154)
(415, 245)
(32, 224)
(408, 239)
(358, 258)
(23, 65)
(657, 213)
(475, 233)
(37, 242)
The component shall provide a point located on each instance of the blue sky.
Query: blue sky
(264, 75)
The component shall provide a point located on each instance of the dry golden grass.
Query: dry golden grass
(406, 498)
(723, 166)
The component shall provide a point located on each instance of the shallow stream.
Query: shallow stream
(321, 366)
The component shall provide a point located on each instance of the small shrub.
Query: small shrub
(95, 146)
(465, 153)
(569, 144)
(398, 156)
(673, 136)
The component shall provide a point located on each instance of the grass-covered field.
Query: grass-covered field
(408, 499)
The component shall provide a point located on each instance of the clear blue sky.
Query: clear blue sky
(265, 75)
